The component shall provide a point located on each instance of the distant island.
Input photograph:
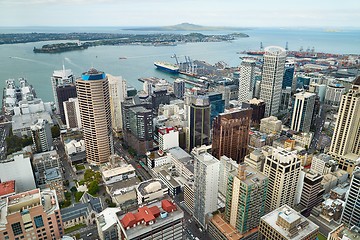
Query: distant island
(186, 27)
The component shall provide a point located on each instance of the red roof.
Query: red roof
(146, 214)
(168, 206)
(128, 220)
(7, 187)
(155, 211)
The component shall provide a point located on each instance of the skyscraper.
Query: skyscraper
(94, 103)
(288, 74)
(60, 78)
(302, 111)
(179, 88)
(247, 80)
(345, 143)
(206, 177)
(231, 134)
(117, 93)
(283, 169)
(41, 135)
(351, 213)
(72, 113)
(245, 198)
(272, 78)
(64, 92)
(198, 122)
(258, 110)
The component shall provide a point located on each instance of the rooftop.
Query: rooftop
(151, 186)
(118, 171)
(7, 187)
(292, 225)
(52, 174)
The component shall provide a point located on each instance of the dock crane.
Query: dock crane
(174, 56)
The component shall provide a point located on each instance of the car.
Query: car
(138, 166)
(89, 234)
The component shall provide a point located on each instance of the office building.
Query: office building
(117, 93)
(168, 138)
(247, 80)
(231, 134)
(217, 104)
(343, 232)
(351, 213)
(312, 191)
(94, 102)
(148, 88)
(179, 88)
(60, 78)
(63, 94)
(286, 100)
(151, 190)
(287, 224)
(270, 125)
(41, 135)
(272, 78)
(258, 110)
(158, 97)
(323, 164)
(227, 165)
(302, 111)
(72, 113)
(32, 214)
(245, 198)
(334, 92)
(345, 142)
(282, 167)
(288, 75)
(206, 178)
(198, 122)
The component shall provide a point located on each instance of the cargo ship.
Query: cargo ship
(168, 67)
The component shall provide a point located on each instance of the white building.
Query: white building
(118, 93)
(60, 78)
(41, 135)
(183, 162)
(246, 81)
(18, 168)
(303, 111)
(226, 166)
(117, 174)
(272, 77)
(168, 138)
(151, 190)
(323, 164)
(334, 91)
(206, 179)
(270, 125)
(72, 113)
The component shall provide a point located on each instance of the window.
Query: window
(38, 221)
(16, 227)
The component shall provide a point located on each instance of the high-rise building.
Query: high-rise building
(288, 74)
(179, 88)
(312, 191)
(32, 213)
(60, 78)
(198, 122)
(64, 93)
(282, 167)
(258, 110)
(302, 111)
(351, 213)
(72, 113)
(334, 92)
(158, 97)
(41, 135)
(148, 88)
(227, 165)
(286, 224)
(272, 78)
(247, 80)
(245, 198)
(94, 103)
(343, 232)
(217, 104)
(345, 142)
(206, 178)
(231, 134)
(117, 93)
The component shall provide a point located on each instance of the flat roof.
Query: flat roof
(150, 186)
(118, 171)
(7, 187)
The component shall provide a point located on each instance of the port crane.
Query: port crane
(174, 56)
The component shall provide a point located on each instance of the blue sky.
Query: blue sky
(240, 13)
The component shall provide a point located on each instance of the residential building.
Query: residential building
(198, 122)
(117, 94)
(285, 223)
(72, 113)
(18, 167)
(64, 93)
(302, 111)
(282, 168)
(351, 213)
(247, 80)
(231, 134)
(94, 102)
(258, 110)
(179, 88)
(32, 213)
(206, 178)
(345, 142)
(41, 135)
(61, 78)
(272, 78)
(334, 92)
(245, 198)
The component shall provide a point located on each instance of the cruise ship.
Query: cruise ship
(167, 67)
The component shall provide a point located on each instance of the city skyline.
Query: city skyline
(162, 13)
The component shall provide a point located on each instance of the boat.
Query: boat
(122, 58)
(168, 67)
(255, 52)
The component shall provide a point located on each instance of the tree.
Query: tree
(77, 236)
(73, 189)
(55, 131)
(93, 188)
(78, 196)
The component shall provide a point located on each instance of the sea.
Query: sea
(19, 60)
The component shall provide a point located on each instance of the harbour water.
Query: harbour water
(18, 60)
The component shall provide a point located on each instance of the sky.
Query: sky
(237, 13)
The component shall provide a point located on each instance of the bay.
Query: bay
(18, 60)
